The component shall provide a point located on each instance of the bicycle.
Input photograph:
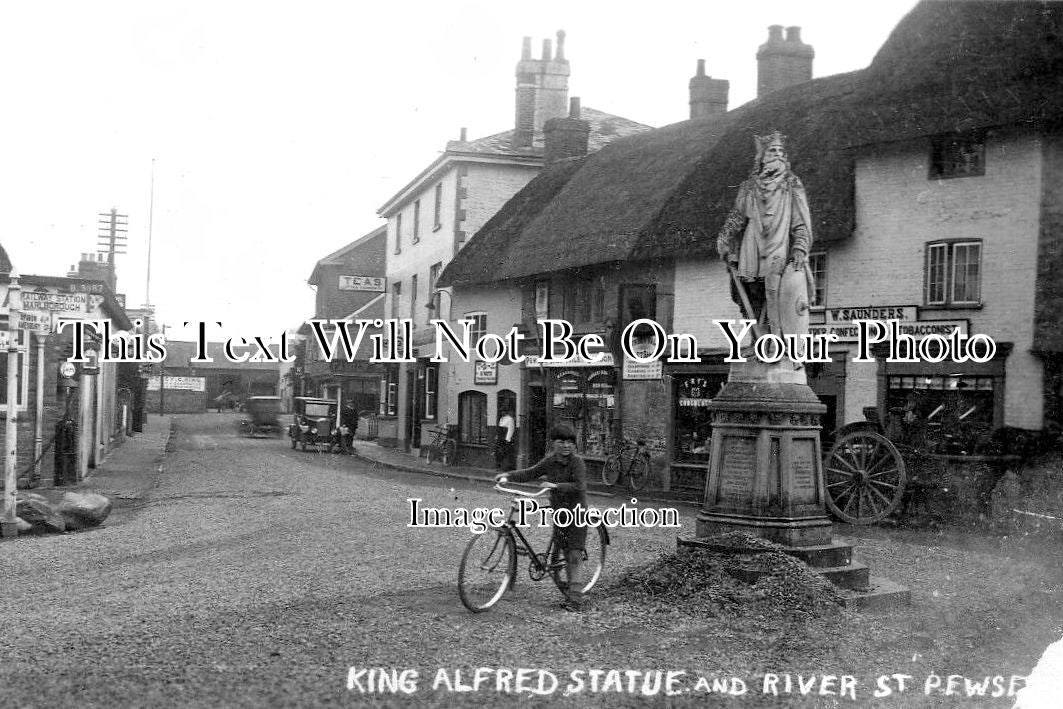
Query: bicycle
(442, 446)
(633, 462)
(489, 564)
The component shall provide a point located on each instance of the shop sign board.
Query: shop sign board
(531, 361)
(485, 373)
(178, 383)
(642, 370)
(373, 284)
(839, 322)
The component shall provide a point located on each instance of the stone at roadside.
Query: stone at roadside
(82, 510)
(42, 517)
(23, 526)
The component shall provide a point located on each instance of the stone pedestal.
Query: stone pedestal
(765, 472)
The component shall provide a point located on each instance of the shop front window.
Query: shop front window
(472, 417)
(586, 400)
(693, 419)
(941, 412)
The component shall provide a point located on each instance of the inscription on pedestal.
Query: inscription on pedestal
(737, 467)
(803, 471)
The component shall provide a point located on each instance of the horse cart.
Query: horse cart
(264, 412)
(898, 459)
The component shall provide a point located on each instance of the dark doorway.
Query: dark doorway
(536, 424)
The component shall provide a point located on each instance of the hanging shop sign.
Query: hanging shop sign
(485, 373)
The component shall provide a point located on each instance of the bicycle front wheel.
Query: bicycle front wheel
(594, 548)
(611, 469)
(487, 569)
(639, 472)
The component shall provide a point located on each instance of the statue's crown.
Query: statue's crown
(773, 138)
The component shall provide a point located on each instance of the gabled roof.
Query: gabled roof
(605, 128)
(337, 258)
(947, 67)
(180, 352)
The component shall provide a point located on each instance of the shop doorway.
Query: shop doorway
(536, 424)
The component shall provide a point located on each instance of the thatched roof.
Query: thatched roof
(947, 67)
(585, 211)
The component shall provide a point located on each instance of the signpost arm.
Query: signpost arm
(8, 526)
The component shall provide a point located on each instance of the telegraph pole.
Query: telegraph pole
(112, 238)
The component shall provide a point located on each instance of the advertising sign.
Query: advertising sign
(486, 373)
(363, 283)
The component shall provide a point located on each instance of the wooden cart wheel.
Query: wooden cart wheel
(864, 476)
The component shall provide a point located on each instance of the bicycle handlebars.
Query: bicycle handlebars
(522, 493)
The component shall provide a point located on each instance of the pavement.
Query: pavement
(397, 459)
(131, 470)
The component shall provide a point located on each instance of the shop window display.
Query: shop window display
(693, 419)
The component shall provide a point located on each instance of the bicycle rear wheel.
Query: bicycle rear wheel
(639, 472)
(611, 469)
(487, 569)
(449, 451)
(593, 561)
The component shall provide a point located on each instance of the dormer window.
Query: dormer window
(957, 156)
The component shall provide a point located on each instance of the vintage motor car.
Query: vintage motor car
(263, 410)
(314, 424)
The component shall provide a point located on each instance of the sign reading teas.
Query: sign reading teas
(363, 283)
(839, 322)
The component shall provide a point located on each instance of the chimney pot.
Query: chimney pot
(525, 50)
(560, 56)
(464, 134)
(573, 107)
(708, 96)
(782, 63)
(548, 51)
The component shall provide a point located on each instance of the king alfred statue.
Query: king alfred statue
(765, 243)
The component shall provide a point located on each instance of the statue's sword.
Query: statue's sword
(747, 307)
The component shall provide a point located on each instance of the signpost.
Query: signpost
(8, 526)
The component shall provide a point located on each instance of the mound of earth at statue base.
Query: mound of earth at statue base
(82, 510)
(711, 582)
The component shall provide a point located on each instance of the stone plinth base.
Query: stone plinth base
(8, 530)
(765, 471)
(803, 532)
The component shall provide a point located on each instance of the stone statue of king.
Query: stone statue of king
(765, 242)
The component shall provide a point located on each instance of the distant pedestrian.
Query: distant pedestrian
(505, 458)
(349, 420)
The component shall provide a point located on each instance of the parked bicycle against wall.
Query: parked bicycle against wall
(443, 446)
(489, 565)
(628, 461)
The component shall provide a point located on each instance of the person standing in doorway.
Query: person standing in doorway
(504, 449)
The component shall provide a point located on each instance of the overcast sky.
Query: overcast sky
(278, 129)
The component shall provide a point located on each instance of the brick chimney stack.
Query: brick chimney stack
(542, 89)
(783, 62)
(566, 137)
(708, 96)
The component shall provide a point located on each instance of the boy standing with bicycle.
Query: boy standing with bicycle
(566, 475)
